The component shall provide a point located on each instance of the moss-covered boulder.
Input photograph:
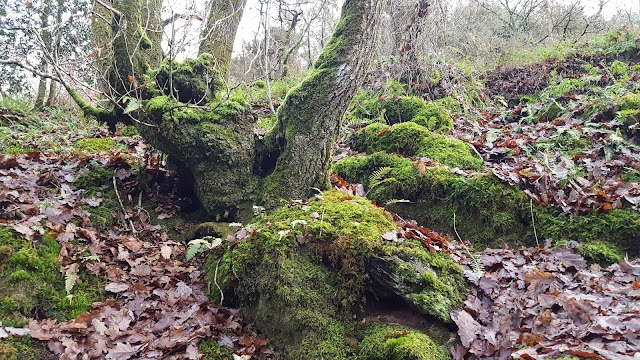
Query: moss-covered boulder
(397, 109)
(484, 210)
(304, 272)
(412, 139)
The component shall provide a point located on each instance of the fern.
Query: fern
(378, 175)
(70, 280)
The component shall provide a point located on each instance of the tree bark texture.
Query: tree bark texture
(309, 118)
(220, 32)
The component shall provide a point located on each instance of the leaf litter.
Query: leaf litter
(156, 306)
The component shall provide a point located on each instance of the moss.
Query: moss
(303, 274)
(31, 284)
(23, 348)
(631, 175)
(212, 351)
(433, 281)
(129, 131)
(392, 342)
(95, 145)
(95, 178)
(600, 252)
(398, 109)
(487, 211)
(195, 81)
(411, 139)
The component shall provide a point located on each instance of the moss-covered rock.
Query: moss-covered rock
(412, 139)
(487, 212)
(31, 284)
(386, 342)
(398, 109)
(306, 269)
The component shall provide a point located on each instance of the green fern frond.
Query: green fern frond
(70, 280)
(383, 181)
(379, 174)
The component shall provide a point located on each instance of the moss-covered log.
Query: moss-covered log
(309, 118)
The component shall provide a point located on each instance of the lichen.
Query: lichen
(95, 145)
(393, 342)
(412, 139)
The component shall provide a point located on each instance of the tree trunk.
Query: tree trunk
(220, 32)
(46, 37)
(131, 48)
(309, 118)
(53, 86)
(102, 53)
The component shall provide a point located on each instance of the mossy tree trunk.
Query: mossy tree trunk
(220, 30)
(309, 118)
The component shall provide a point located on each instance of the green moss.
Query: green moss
(212, 351)
(303, 274)
(398, 109)
(387, 342)
(31, 283)
(433, 281)
(630, 175)
(96, 177)
(487, 211)
(195, 81)
(129, 131)
(411, 139)
(600, 252)
(23, 348)
(95, 145)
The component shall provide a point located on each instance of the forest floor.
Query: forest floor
(529, 303)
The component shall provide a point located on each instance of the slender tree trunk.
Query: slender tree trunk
(309, 118)
(130, 60)
(220, 32)
(53, 86)
(46, 37)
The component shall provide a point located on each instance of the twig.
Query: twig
(110, 8)
(215, 280)
(115, 187)
(533, 222)
(456, 230)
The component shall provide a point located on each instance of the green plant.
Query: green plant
(198, 246)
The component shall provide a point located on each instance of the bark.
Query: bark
(102, 51)
(53, 86)
(153, 27)
(220, 32)
(42, 85)
(309, 118)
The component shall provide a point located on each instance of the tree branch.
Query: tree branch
(110, 8)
